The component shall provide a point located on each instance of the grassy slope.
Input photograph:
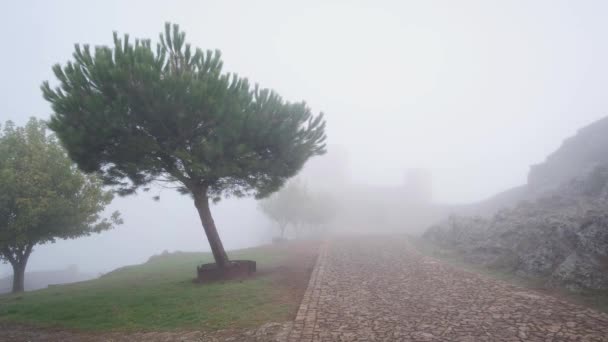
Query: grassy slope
(597, 299)
(158, 295)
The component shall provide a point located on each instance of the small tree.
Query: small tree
(284, 207)
(43, 196)
(318, 211)
(136, 115)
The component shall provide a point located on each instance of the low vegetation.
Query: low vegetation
(157, 295)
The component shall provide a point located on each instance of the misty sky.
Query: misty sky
(475, 91)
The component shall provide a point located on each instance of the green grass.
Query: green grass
(597, 299)
(158, 295)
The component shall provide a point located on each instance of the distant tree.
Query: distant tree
(285, 206)
(319, 210)
(138, 115)
(299, 207)
(43, 196)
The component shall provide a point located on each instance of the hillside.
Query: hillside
(555, 228)
(41, 279)
(575, 159)
(160, 295)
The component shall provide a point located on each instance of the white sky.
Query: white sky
(475, 91)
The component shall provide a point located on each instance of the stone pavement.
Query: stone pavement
(381, 289)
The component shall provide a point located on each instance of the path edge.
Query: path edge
(304, 323)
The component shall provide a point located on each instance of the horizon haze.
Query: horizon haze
(474, 92)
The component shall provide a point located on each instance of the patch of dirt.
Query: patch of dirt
(293, 274)
(290, 277)
(269, 332)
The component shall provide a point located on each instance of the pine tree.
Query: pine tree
(137, 115)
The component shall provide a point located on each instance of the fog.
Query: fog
(474, 92)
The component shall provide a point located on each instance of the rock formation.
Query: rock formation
(558, 230)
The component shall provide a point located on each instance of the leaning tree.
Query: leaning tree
(43, 196)
(137, 115)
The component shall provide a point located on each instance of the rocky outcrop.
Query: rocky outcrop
(576, 157)
(559, 232)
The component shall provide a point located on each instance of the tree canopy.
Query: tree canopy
(43, 196)
(136, 115)
(285, 206)
(296, 205)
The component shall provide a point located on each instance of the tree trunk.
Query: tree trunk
(18, 277)
(282, 227)
(201, 201)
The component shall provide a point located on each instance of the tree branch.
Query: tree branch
(6, 252)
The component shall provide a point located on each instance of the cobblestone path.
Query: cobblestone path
(381, 289)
